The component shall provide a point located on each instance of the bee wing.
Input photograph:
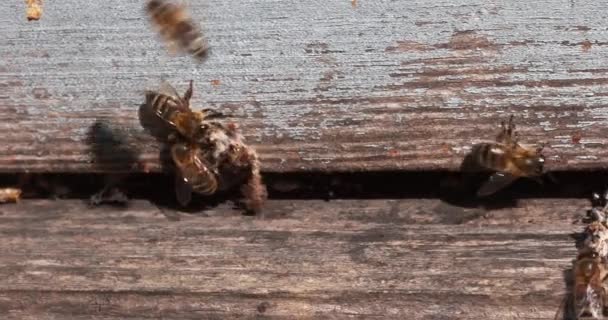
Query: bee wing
(167, 89)
(183, 190)
(496, 182)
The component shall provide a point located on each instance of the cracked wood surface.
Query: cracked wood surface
(414, 259)
(315, 85)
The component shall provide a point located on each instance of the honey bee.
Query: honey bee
(590, 273)
(597, 238)
(34, 9)
(208, 155)
(177, 28)
(10, 195)
(507, 158)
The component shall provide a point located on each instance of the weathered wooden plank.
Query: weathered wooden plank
(316, 85)
(420, 259)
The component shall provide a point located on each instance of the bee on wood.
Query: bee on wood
(177, 28)
(507, 158)
(208, 155)
(10, 195)
(590, 273)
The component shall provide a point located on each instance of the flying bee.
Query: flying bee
(590, 296)
(10, 195)
(507, 158)
(209, 155)
(34, 9)
(177, 28)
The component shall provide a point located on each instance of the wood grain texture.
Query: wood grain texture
(316, 85)
(414, 259)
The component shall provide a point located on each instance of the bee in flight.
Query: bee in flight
(177, 28)
(507, 158)
(208, 155)
(34, 9)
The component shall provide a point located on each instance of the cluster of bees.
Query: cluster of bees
(591, 265)
(211, 155)
(208, 155)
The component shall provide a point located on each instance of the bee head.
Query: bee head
(535, 165)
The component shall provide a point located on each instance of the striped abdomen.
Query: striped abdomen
(190, 38)
(490, 155)
(175, 25)
(194, 171)
(166, 107)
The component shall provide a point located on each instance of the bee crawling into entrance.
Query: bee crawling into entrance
(508, 159)
(208, 155)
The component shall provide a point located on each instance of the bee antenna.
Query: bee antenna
(188, 93)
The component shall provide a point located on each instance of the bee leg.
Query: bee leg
(511, 126)
(188, 93)
(515, 138)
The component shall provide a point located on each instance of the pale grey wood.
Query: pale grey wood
(415, 259)
(316, 85)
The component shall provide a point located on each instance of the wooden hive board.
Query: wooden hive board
(315, 85)
(415, 259)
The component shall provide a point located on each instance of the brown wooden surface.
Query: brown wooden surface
(414, 259)
(316, 85)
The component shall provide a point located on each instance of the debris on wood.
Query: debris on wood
(34, 9)
(112, 196)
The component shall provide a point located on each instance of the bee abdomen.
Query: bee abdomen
(206, 183)
(164, 106)
(175, 24)
(486, 157)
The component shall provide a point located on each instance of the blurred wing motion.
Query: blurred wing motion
(34, 9)
(192, 173)
(496, 182)
(176, 27)
(183, 191)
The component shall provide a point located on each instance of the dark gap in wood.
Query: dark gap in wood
(453, 187)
